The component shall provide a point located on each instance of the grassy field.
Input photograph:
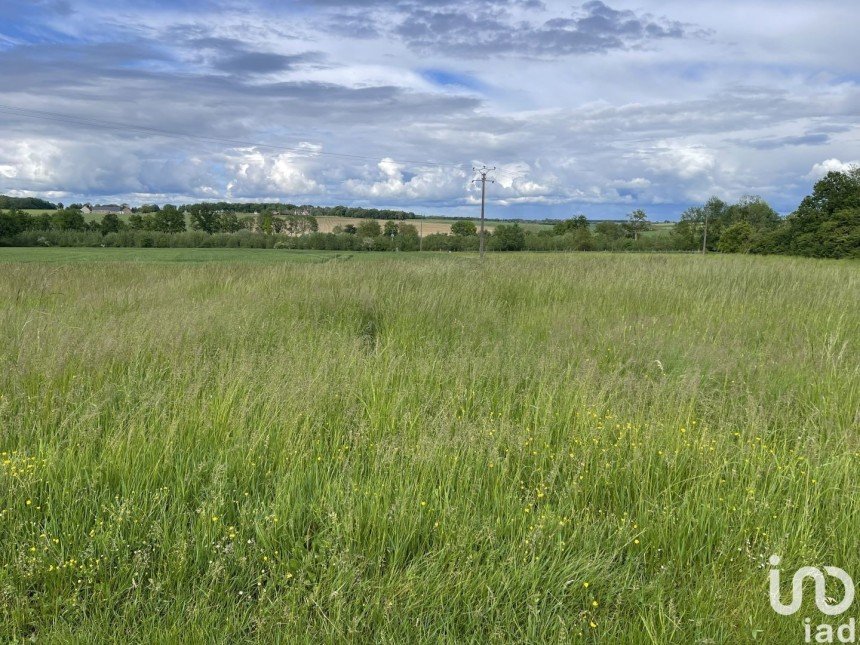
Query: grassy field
(64, 255)
(545, 448)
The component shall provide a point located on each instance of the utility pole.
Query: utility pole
(483, 171)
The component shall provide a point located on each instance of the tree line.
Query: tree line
(826, 224)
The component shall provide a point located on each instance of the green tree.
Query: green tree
(68, 220)
(204, 218)
(569, 225)
(228, 222)
(168, 220)
(390, 228)
(636, 223)
(579, 239)
(508, 238)
(827, 222)
(736, 238)
(369, 228)
(611, 231)
(136, 222)
(13, 222)
(110, 223)
(464, 228)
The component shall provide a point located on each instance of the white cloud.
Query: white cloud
(253, 173)
(831, 165)
(393, 183)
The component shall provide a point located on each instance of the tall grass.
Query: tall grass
(545, 448)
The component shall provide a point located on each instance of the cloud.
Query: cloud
(393, 184)
(812, 139)
(597, 107)
(254, 173)
(478, 30)
(831, 165)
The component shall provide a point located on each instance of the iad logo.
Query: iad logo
(828, 606)
(820, 589)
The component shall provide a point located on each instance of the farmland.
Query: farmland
(252, 445)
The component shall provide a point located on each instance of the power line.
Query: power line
(483, 171)
(126, 127)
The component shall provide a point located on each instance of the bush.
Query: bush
(508, 238)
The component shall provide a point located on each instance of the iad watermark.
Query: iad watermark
(825, 632)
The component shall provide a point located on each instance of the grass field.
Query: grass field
(64, 255)
(545, 448)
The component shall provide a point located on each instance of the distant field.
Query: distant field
(327, 223)
(407, 448)
(431, 225)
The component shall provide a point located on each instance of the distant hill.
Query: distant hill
(25, 203)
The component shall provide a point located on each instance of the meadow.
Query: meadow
(320, 448)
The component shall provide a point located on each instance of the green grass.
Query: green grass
(546, 448)
(82, 254)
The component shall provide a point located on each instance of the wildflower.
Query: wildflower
(594, 603)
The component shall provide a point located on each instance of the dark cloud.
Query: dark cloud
(815, 139)
(234, 57)
(353, 26)
(480, 27)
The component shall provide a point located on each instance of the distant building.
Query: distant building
(104, 209)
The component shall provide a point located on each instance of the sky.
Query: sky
(596, 108)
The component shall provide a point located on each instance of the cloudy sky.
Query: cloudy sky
(594, 107)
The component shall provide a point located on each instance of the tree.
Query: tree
(136, 222)
(509, 238)
(579, 239)
(827, 222)
(754, 211)
(407, 237)
(204, 218)
(68, 220)
(689, 233)
(612, 231)
(369, 228)
(110, 223)
(636, 223)
(228, 222)
(167, 220)
(350, 229)
(737, 238)
(464, 228)
(390, 229)
(13, 222)
(570, 225)
(834, 192)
